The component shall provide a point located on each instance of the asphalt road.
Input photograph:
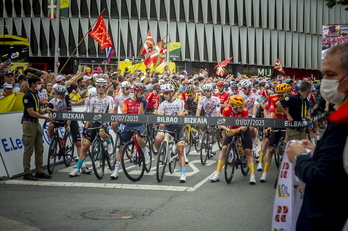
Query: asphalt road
(86, 203)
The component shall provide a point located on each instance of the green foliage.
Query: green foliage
(332, 3)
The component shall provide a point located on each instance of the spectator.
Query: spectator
(60, 80)
(8, 90)
(325, 199)
(24, 87)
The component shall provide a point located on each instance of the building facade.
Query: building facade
(254, 32)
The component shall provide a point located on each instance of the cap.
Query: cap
(142, 78)
(87, 77)
(95, 76)
(60, 78)
(9, 73)
(7, 85)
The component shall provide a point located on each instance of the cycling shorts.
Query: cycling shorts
(275, 137)
(126, 136)
(246, 139)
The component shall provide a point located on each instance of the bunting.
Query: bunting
(100, 33)
(149, 43)
(157, 55)
(220, 70)
(278, 66)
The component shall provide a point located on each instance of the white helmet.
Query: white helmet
(92, 92)
(60, 89)
(207, 87)
(167, 87)
(246, 83)
(126, 84)
(100, 82)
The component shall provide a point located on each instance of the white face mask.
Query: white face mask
(38, 87)
(328, 90)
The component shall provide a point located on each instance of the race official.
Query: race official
(32, 132)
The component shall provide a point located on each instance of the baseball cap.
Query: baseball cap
(7, 85)
(9, 73)
(142, 78)
(87, 77)
(60, 78)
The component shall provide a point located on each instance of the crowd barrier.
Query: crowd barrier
(11, 144)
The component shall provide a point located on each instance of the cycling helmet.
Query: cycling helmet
(226, 84)
(267, 85)
(167, 88)
(139, 87)
(100, 82)
(246, 83)
(281, 88)
(60, 89)
(190, 90)
(213, 85)
(288, 81)
(126, 84)
(288, 87)
(207, 87)
(175, 84)
(297, 86)
(234, 84)
(92, 92)
(314, 89)
(220, 83)
(237, 100)
(157, 86)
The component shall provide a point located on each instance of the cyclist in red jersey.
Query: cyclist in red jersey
(152, 99)
(281, 91)
(222, 95)
(236, 109)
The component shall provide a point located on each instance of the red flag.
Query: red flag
(100, 33)
(157, 55)
(52, 9)
(220, 70)
(278, 67)
(149, 43)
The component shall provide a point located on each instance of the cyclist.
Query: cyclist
(172, 106)
(236, 109)
(152, 98)
(281, 91)
(222, 95)
(192, 100)
(234, 88)
(101, 103)
(126, 94)
(134, 105)
(227, 88)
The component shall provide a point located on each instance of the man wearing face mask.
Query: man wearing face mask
(325, 199)
(298, 112)
(32, 132)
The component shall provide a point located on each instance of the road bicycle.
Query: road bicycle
(191, 135)
(235, 158)
(99, 152)
(211, 136)
(61, 146)
(279, 152)
(167, 154)
(134, 162)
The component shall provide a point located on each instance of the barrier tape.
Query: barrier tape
(193, 120)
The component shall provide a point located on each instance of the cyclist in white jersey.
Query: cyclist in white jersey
(101, 103)
(172, 106)
(91, 93)
(126, 94)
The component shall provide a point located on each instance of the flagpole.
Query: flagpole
(56, 42)
(79, 44)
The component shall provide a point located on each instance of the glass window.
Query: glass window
(134, 11)
(26, 7)
(153, 12)
(143, 13)
(74, 9)
(182, 11)
(84, 9)
(124, 9)
(191, 14)
(210, 16)
(94, 9)
(172, 11)
(163, 11)
(200, 12)
(36, 8)
(114, 10)
(218, 15)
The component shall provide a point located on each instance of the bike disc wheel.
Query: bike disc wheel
(52, 155)
(230, 163)
(133, 162)
(111, 158)
(188, 139)
(97, 158)
(69, 149)
(204, 152)
(161, 161)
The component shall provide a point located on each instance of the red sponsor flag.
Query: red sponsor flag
(157, 55)
(52, 9)
(220, 70)
(100, 33)
(278, 66)
(149, 43)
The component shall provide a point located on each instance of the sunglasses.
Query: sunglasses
(206, 91)
(244, 88)
(101, 86)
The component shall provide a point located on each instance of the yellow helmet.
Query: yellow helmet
(281, 88)
(190, 90)
(237, 100)
(175, 84)
(288, 87)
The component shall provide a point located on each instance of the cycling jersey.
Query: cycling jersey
(209, 105)
(224, 97)
(119, 100)
(171, 108)
(101, 105)
(271, 106)
(228, 112)
(60, 104)
(249, 101)
(152, 99)
(130, 106)
(264, 93)
(192, 104)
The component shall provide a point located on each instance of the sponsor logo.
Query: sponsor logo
(221, 121)
(73, 116)
(282, 212)
(97, 117)
(12, 144)
(195, 120)
(167, 120)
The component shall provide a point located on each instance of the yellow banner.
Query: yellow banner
(64, 4)
(174, 45)
(12, 102)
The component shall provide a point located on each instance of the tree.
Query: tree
(332, 3)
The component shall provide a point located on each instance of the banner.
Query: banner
(64, 8)
(12, 102)
(175, 50)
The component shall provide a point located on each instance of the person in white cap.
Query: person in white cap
(60, 80)
(8, 90)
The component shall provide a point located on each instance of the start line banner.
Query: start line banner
(183, 120)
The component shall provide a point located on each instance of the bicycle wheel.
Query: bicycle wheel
(52, 154)
(196, 139)
(218, 136)
(260, 133)
(161, 161)
(149, 151)
(243, 163)
(172, 163)
(97, 158)
(230, 163)
(133, 162)
(204, 152)
(69, 149)
(111, 158)
(278, 155)
(188, 139)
